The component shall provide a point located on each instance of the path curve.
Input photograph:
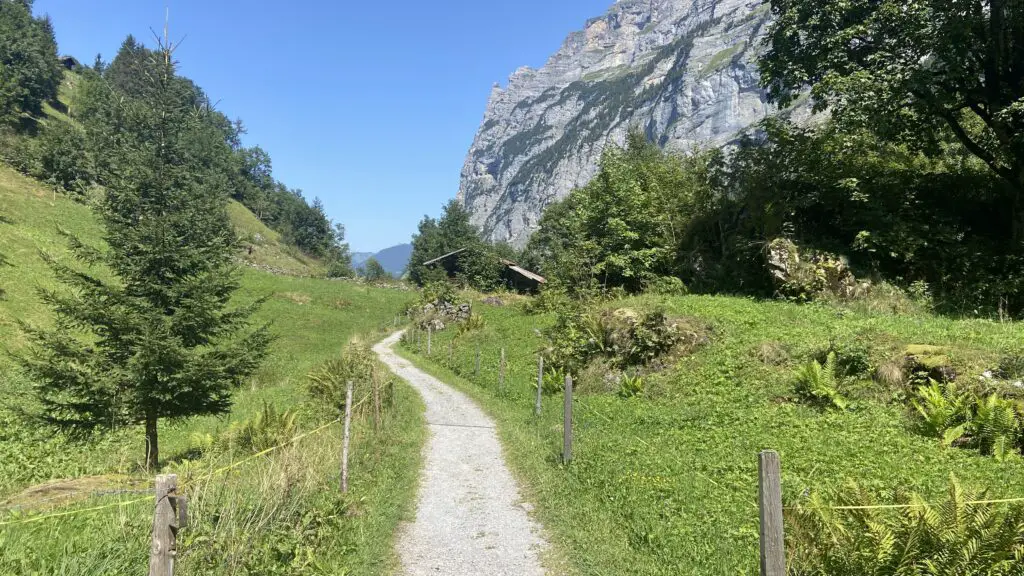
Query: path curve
(470, 519)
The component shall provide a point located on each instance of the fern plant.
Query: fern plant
(631, 385)
(944, 411)
(268, 429)
(820, 384)
(952, 538)
(473, 323)
(995, 426)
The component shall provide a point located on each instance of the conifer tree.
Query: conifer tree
(29, 71)
(159, 340)
(374, 270)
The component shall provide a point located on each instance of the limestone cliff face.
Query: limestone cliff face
(683, 71)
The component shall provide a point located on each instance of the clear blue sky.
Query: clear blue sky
(370, 106)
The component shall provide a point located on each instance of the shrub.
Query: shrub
(624, 337)
(631, 385)
(62, 157)
(339, 269)
(268, 429)
(951, 538)
(328, 383)
(439, 292)
(666, 286)
(994, 427)
(819, 384)
(944, 411)
(554, 381)
(473, 323)
(1011, 365)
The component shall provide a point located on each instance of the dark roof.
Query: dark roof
(511, 265)
(439, 258)
(531, 275)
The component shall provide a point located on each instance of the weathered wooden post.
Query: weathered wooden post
(376, 403)
(430, 338)
(345, 438)
(501, 373)
(773, 551)
(567, 422)
(165, 527)
(540, 384)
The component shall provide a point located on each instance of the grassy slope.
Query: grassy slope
(313, 320)
(269, 251)
(666, 483)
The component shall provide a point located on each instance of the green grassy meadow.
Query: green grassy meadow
(267, 516)
(666, 482)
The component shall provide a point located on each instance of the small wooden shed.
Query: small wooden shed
(513, 275)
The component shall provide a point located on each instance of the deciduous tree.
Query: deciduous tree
(913, 71)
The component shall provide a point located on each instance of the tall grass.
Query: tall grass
(665, 481)
(282, 513)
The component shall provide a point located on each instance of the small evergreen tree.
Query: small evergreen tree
(159, 341)
(374, 271)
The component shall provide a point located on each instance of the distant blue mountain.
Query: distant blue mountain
(360, 258)
(393, 259)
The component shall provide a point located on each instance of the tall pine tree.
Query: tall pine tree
(29, 71)
(160, 340)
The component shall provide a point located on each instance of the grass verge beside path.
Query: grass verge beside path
(279, 514)
(276, 514)
(666, 482)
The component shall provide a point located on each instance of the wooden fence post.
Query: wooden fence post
(773, 551)
(376, 403)
(567, 422)
(540, 384)
(345, 438)
(501, 373)
(165, 527)
(476, 370)
(430, 338)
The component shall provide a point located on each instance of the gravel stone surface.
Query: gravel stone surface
(470, 518)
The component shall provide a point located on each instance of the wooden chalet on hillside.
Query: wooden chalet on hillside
(513, 275)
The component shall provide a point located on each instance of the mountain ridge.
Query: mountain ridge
(682, 71)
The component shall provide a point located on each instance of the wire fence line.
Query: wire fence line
(769, 502)
(148, 493)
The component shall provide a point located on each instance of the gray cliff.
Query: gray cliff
(683, 71)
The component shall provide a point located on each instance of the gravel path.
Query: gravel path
(470, 519)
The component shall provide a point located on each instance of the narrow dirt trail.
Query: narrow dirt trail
(470, 519)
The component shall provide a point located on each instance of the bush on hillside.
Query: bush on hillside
(623, 337)
(62, 158)
(949, 538)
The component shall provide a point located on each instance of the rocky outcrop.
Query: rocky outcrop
(682, 71)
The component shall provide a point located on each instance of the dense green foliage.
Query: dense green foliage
(933, 225)
(247, 170)
(623, 229)
(286, 503)
(917, 72)
(29, 70)
(952, 537)
(75, 151)
(373, 271)
(160, 342)
(915, 177)
(479, 264)
(664, 479)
